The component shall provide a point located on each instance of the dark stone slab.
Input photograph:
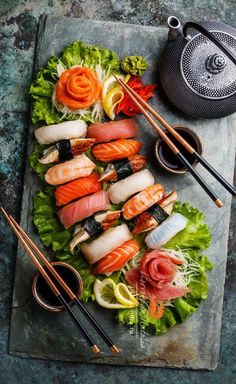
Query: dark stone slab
(194, 344)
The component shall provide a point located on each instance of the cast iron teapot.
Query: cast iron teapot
(198, 68)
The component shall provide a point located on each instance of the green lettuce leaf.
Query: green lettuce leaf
(196, 234)
(43, 111)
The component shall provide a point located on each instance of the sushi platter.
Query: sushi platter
(146, 242)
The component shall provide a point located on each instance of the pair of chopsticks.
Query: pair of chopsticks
(26, 242)
(143, 106)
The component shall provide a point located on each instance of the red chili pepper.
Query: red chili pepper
(127, 105)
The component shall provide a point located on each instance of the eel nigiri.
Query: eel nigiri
(106, 243)
(155, 215)
(77, 188)
(122, 168)
(85, 207)
(66, 150)
(116, 150)
(93, 226)
(116, 260)
(125, 188)
(121, 129)
(164, 232)
(142, 201)
(64, 131)
(80, 166)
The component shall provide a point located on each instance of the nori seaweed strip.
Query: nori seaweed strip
(64, 149)
(92, 226)
(157, 213)
(122, 168)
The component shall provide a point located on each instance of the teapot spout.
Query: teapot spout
(175, 28)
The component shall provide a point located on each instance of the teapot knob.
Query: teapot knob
(215, 63)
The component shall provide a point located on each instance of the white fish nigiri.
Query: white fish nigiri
(127, 187)
(64, 131)
(165, 231)
(106, 243)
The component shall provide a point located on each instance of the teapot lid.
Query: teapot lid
(206, 70)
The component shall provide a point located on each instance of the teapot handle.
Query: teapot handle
(211, 37)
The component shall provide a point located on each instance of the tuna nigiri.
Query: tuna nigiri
(93, 226)
(121, 129)
(85, 207)
(116, 260)
(155, 215)
(123, 168)
(142, 201)
(64, 131)
(66, 150)
(125, 188)
(80, 166)
(116, 150)
(77, 188)
(106, 243)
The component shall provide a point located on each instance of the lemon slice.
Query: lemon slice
(124, 296)
(108, 84)
(111, 100)
(104, 294)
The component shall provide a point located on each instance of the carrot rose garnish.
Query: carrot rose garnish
(78, 88)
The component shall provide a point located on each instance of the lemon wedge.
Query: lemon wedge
(124, 296)
(104, 294)
(111, 100)
(108, 84)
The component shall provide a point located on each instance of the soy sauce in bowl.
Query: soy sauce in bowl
(168, 160)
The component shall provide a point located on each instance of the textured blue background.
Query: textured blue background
(17, 41)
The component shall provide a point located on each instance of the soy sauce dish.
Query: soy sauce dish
(168, 160)
(43, 293)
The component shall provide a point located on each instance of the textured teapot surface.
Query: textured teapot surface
(197, 77)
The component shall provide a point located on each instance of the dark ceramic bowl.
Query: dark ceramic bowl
(196, 143)
(46, 298)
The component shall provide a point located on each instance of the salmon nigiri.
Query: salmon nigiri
(116, 150)
(85, 207)
(80, 166)
(142, 201)
(115, 260)
(121, 129)
(77, 188)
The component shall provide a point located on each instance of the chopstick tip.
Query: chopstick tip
(95, 349)
(219, 203)
(115, 349)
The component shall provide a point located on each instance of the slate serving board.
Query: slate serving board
(194, 344)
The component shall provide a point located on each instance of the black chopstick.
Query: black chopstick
(172, 146)
(73, 297)
(229, 187)
(54, 289)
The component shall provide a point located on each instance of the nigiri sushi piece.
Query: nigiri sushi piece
(85, 207)
(142, 201)
(63, 131)
(125, 188)
(164, 232)
(80, 166)
(155, 215)
(116, 150)
(122, 168)
(93, 226)
(106, 243)
(66, 150)
(121, 129)
(116, 260)
(77, 188)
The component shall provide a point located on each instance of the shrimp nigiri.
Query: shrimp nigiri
(93, 226)
(77, 188)
(66, 150)
(142, 201)
(116, 150)
(80, 166)
(116, 260)
(85, 207)
(121, 129)
(122, 168)
(123, 189)
(64, 131)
